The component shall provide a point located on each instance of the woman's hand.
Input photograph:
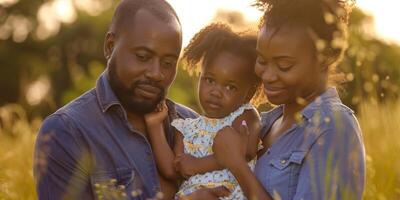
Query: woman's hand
(230, 146)
(208, 193)
(156, 117)
(185, 164)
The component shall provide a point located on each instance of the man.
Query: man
(96, 146)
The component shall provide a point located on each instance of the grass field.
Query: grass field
(380, 125)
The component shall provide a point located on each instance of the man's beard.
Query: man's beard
(125, 94)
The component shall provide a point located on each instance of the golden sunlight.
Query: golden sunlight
(385, 13)
(195, 14)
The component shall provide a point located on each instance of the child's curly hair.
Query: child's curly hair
(216, 38)
(326, 19)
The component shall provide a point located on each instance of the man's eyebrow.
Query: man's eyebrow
(284, 57)
(143, 48)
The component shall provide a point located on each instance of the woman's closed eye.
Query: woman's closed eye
(284, 64)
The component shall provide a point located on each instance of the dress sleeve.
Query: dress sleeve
(334, 168)
(228, 121)
(60, 165)
(179, 124)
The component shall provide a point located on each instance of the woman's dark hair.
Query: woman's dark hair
(326, 19)
(218, 38)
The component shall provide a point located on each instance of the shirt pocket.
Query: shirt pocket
(118, 184)
(284, 173)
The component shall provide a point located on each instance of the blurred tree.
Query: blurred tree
(236, 20)
(53, 61)
(371, 66)
(51, 52)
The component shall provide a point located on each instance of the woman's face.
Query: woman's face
(288, 66)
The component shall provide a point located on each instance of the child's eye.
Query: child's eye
(209, 80)
(230, 88)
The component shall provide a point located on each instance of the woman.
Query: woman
(312, 143)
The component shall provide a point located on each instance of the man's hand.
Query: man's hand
(185, 164)
(157, 117)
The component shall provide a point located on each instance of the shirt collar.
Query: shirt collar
(105, 95)
(329, 96)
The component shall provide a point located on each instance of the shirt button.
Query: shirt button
(283, 162)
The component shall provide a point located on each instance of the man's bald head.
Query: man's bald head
(127, 9)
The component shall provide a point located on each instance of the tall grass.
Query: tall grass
(381, 128)
(17, 136)
(380, 125)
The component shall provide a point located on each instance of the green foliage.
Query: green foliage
(371, 65)
(73, 59)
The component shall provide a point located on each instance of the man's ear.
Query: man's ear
(109, 43)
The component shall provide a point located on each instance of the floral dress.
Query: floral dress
(198, 136)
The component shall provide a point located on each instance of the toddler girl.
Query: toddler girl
(228, 89)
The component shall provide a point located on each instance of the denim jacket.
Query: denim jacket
(320, 157)
(89, 150)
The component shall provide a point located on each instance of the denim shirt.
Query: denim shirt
(89, 150)
(320, 157)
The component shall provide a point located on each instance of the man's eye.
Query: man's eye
(169, 64)
(261, 61)
(142, 57)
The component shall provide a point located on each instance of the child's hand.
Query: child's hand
(207, 193)
(230, 146)
(157, 116)
(185, 165)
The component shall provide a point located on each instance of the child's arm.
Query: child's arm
(253, 122)
(189, 165)
(164, 156)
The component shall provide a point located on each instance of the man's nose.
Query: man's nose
(154, 72)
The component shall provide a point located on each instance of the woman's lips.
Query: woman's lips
(273, 91)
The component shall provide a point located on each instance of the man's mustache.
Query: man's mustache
(147, 82)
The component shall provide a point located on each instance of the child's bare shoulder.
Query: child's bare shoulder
(252, 118)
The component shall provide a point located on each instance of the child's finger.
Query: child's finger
(220, 191)
(244, 129)
(159, 107)
(164, 105)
